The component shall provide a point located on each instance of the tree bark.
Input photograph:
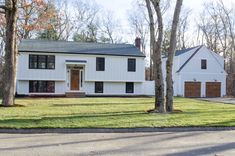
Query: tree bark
(171, 53)
(157, 54)
(9, 71)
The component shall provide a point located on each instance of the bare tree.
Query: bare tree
(86, 20)
(157, 53)
(170, 58)
(9, 71)
(109, 28)
(139, 24)
(182, 28)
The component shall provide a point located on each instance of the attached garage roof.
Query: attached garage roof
(46, 46)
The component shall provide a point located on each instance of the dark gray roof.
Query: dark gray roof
(179, 52)
(194, 53)
(46, 46)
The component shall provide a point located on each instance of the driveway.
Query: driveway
(219, 143)
(220, 100)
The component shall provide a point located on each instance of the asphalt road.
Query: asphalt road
(213, 143)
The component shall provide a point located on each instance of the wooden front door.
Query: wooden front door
(213, 89)
(192, 89)
(74, 80)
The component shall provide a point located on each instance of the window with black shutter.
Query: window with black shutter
(41, 86)
(203, 64)
(131, 65)
(100, 64)
(129, 87)
(99, 87)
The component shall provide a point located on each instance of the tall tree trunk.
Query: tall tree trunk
(171, 53)
(9, 70)
(157, 54)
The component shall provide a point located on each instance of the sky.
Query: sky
(121, 7)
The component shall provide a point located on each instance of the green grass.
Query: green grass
(112, 113)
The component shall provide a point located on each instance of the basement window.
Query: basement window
(129, 87)
(99, 87)
(42, 86)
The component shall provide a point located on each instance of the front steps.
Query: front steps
(75, 94)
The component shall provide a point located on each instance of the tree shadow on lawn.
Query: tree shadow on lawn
(27, 123)
(101, 104)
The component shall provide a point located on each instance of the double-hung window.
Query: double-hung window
(100, 64)
(131, 65)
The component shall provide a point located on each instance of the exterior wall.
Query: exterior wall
(23, 88)
(115, 69)
(113, 88)
(148, 88)
(203, 78)
(114, 77)
(193, 72)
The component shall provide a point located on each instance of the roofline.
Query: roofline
(186, 62)
(27, 51)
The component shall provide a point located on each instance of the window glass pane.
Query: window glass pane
(33, 86)
(100, 64)
(42, 61)
(132, 65)
(81, 79)
(129, 87)
(50, 62)
(33, 61)
(41, 86)
(98, 87)
(203, 64)
(50, 87)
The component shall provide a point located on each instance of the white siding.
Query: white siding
(113, 88)
(192, 72)
(203, 78)
(23, 88)
(115, 69)
(114, 77)
(24, 73)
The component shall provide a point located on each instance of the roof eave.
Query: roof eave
(28, 51)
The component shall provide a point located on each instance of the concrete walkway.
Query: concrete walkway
(219, 100)
(219, 143)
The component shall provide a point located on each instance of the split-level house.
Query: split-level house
(71, 68)
(78, 69)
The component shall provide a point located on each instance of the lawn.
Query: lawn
(112, 113)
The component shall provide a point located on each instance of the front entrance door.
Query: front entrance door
(74, 81)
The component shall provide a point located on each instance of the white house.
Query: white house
(72, 69)
(198, 72)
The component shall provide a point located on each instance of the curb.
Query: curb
(113, 130)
